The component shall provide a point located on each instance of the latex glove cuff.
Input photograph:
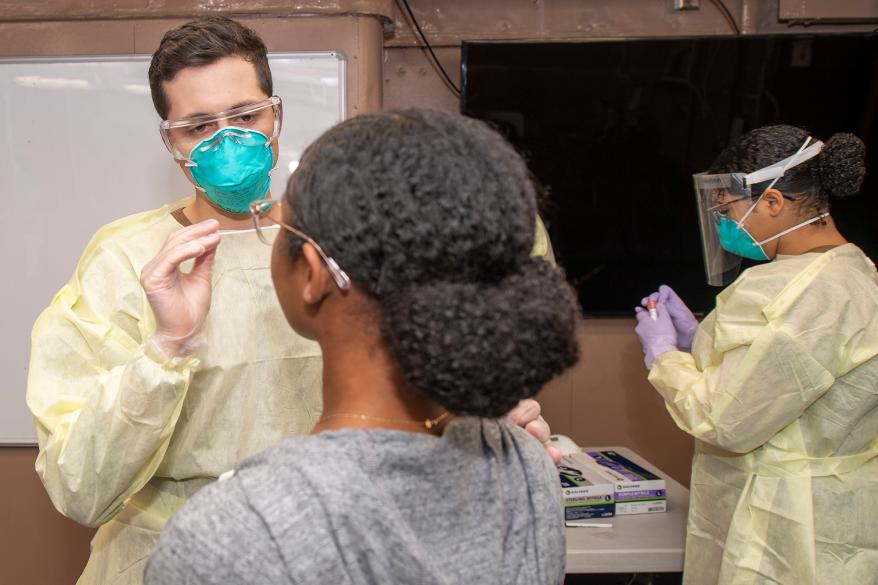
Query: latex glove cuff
(657, 348)
(164, 349)
(685, 338)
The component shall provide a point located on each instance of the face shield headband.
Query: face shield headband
(777, 170)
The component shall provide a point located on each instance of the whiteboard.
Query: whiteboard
(81, 148)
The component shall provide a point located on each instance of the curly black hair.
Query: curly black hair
(837, 172)
(433, 215)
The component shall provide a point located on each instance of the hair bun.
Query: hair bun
(478, 349)
(841, 165)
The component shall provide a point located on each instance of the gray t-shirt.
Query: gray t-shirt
(480, 504)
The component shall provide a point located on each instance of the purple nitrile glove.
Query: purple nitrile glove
(657, 336)
(684, 321)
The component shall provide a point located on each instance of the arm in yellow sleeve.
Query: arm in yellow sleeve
(744, 396)
(105, 403)
(780, 336)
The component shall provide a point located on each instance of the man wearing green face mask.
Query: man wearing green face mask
(135, 411)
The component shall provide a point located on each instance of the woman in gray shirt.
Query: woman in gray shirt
(403, 250)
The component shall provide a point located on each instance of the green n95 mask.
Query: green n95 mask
(232, 167)
(736, 239)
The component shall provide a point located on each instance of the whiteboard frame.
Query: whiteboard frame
(342, 63)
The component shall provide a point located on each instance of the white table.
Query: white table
(640, 543)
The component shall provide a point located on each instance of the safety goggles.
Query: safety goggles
(181, 136)
(266, 214)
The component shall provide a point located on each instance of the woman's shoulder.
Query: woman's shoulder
(783, 281)
(355, 486)
(334, 467)
(850, 262)
(265, 502)
(296, 455)
(299, 471)
(842, 278)
(497, 438)
(201, 543)
(318, 464)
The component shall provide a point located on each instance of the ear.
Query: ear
(774, 202)
(318, 281)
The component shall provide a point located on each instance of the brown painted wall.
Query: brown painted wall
(603, 399)
(836, 10)
(40, 10)
(37, 544)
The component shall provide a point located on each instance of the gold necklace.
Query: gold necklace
(429, 423)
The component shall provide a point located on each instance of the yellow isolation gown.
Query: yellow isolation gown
(781, 393)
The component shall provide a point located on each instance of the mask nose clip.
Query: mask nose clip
(234, 136)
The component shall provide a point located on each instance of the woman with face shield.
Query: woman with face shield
(778, 384)
(403, 248)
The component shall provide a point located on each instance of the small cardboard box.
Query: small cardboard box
(586, 492)
(636, 490)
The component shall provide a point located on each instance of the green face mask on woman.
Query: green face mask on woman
(736, 239)
(232, 167)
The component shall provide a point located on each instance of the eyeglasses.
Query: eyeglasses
(181, 136)
(722, 209)
(266, 214)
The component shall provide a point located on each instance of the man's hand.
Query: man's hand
(180, 301)
(527, 415)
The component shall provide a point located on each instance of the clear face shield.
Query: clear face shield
(182, 136)
(724, 203)
(716, 194)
